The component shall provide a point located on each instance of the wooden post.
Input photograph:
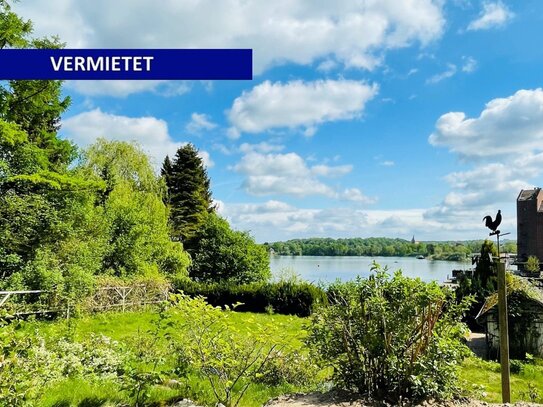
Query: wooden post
(504, 332)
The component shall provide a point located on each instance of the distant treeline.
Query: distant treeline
(381, 246)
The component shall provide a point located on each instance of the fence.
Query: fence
(29, 302)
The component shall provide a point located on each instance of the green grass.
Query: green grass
(126, 328)
(480, 379)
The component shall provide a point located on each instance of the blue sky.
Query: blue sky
(364, 118)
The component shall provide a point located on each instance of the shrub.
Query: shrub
(391, 338)
(230, 360)
(221, 254)
(290, 298)
(532, 264)
(30, 363)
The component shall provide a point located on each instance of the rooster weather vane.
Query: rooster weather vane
(493, 224)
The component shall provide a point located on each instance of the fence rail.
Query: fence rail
(18, 303)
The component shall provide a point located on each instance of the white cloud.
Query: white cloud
(493, 14)
(232, 133)
(223, 149)
(299, 31)
(327, 65)
(506, 141)
(276, 220)
(331, 171)
(355, 195)
(199, 122)
(490, 184)
(123, 89)
(289, 174)
(263, 147)
(151, 133)
(299, 104)
(507, 126)
(470, 64)
(387, 163)
(206, 158)
(451, 71)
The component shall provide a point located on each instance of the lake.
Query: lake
(330, 268)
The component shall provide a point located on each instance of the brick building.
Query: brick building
(529, 225)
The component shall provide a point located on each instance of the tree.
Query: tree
(485, 272)
(34, 105)
(188, 195)
(532, 264)
(223, 254)
(133, 207)
(37, 186)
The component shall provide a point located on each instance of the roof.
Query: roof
(515, 285)
(528, 194)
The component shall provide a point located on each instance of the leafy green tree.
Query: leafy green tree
(189, 195)
(14, 31)
(36, 185)
(223, 254)
(133, 207)
(34, 105)
(532, 264)
(40, 195)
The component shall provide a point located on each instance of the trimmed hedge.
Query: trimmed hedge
(284, 297)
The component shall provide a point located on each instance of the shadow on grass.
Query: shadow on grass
(86, 402)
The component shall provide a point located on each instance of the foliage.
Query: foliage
(30, 364)
(136, 218)
(221, 254)
(229, 362)
(391, 338)
(532, 265)
(146, 366)
(377, 246)
(293, 367)
(291, 298)
(481, 379)
(481, 284)
(189, 195)
(46, 237)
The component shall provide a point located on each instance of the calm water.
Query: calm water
(330, 268)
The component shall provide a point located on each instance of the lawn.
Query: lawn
(128, 328)
(479, 379)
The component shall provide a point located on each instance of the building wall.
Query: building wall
(525, 332)
(530, 226)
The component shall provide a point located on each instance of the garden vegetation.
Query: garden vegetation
(79, 224)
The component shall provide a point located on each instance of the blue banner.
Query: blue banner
(139, 64)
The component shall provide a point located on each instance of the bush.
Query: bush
(230, 360)
(288, 298)
(391, 338)
(221, 254)
(30, 363)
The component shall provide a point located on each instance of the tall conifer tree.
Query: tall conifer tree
(189, 194)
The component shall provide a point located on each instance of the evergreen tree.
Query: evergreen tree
(188, 195)
(39, 193)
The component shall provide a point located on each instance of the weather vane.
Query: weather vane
(493, 226)
(502, 308)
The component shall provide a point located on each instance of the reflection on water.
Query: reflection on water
(330, 268)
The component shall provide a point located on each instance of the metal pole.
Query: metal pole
(504, 332)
